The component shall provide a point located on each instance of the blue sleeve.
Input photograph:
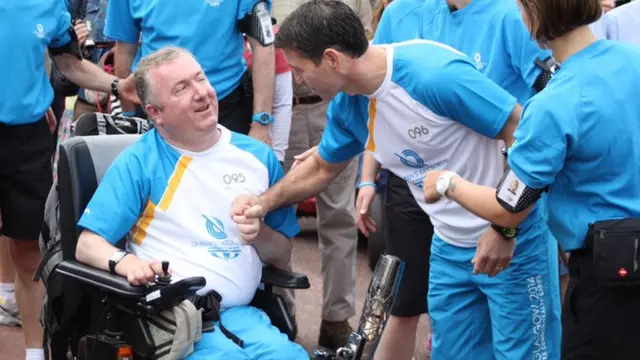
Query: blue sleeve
(522, 49)
(541, 144)
(246, 6)
(119, 200)
(346, 132)
(61, 35)
(120, 24)
(461, 93)
(282, 220)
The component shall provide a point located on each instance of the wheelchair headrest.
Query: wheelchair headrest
(82, 163)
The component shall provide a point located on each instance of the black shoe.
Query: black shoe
(334, 334)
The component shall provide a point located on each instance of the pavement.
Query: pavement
(308, 302)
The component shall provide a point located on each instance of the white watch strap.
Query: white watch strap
(446, 178)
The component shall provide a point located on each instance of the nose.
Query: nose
(201, 90)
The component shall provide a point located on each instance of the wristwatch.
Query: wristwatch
(114, 87)
(115, 259)
(507, 233)
(443, 182)
(263, 118)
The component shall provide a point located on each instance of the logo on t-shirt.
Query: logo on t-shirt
(39, 31)
(214, 3)
(412, 160)
(477, 61)
(222, 246)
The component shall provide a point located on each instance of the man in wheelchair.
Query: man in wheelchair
(171, 192)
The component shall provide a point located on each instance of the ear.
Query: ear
(333, 59)
(154, 113)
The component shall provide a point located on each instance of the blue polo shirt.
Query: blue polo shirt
(207, 28)
(30, 27)
(581, 137)
(490, 32)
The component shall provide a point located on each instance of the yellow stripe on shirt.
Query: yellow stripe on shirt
(139, 231)
(371, 145)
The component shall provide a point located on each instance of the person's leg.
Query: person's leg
(298, 143)
(236, 110)
(524, 300)
(9, 314)
(409, 233)
(598, 321)
(459, 312)
(262, 340)
(24, 193)
(216, 346)
(8, 306)
(338, 238)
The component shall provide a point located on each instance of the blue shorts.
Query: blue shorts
(514, 315)
(262, 341)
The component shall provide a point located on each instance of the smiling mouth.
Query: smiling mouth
(203, 108)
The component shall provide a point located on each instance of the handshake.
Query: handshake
(247, 211)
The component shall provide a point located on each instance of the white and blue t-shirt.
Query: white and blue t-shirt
(28, 27)
(207, 28)
(434, 111)
(490, 32)
(176, 206)
(581, 137)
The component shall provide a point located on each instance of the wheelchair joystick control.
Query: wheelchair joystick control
(165, 278)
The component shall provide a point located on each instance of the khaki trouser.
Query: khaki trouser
(337, 233)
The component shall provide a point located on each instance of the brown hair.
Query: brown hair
(551, 19)
(377, 15)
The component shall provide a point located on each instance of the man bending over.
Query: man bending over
(172, 192)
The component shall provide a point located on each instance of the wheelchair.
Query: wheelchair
(102, 316)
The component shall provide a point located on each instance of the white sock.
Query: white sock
(35, 354)
(7, 293)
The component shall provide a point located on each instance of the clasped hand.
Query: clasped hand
(247, 212)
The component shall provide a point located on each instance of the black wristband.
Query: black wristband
(115, 259)
(114, 87)
(507, 233)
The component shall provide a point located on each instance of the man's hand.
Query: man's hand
(261, 132)
(247, 211)
(127, 90)
(364, 222)
(82, 32)
(302, 157)
(431, 195)
(493, 253)
(249, 206)
(138, 271)
(248, 227)
(51, 120)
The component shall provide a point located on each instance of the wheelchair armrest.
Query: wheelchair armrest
(158, 297)
(100, 279)
(284, 279)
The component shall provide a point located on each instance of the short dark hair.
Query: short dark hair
(555, 18)
(318, 25)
